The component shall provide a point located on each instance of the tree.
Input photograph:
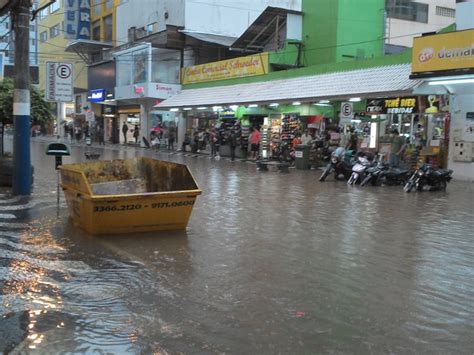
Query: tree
(40, 109)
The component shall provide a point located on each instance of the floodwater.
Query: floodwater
(270, 264)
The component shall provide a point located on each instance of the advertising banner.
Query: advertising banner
(392, 105)
(77, 19)
(441, 52)
(251, 65)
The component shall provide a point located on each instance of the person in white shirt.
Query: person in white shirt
(306, 138)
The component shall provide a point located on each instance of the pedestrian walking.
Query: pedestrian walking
(254, 143)
(171, 138)
(124, 132)
(232, 143)
(100, 134)
(213, 141)
(136, 133)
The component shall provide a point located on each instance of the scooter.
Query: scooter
(428, 179)
(340, 164)
(358, 170)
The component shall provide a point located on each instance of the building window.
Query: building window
(150, 28)
(108, 28)
(109, 4)
(445, 11)
(97, 7)
(407, 10)
(54, 31)
(96, 30)
(33, 42)
(43, 14)
(54, 7)
(32, 27)
(43, 36)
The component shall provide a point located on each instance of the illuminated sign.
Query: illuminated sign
(77, 19)
(251, 65)
(446, 51)
(391, 105)
(96, 95)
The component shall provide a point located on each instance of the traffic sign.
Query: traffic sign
(59, 82)
(347, 110)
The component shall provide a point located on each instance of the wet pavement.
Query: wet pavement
(270, 263)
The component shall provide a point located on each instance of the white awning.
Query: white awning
(377, 81)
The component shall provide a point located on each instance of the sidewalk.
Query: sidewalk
(133, 146)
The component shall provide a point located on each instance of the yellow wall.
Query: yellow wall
(54, 48)
(104, 13)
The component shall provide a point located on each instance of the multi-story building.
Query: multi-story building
(406, 19)
(63, 23)
(7, 48)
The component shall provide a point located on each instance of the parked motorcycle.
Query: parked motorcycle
(427, 178)
(358, 170)
(381, 173)
(340, 164)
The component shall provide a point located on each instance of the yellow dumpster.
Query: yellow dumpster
(127, 196)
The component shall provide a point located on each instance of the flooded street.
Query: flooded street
(270, 264)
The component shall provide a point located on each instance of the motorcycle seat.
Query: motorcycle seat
(443, 172)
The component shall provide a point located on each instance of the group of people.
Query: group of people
(135, 131)
(233, 138)
(77, 132)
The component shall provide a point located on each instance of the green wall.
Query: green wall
(360, 29)
(342, 30)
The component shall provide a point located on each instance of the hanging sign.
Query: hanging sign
(77, 19)
(347, 111)
(391, 105)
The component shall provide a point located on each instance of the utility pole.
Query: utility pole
(21, 100)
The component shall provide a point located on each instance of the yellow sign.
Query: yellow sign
(447, 51)
(226, 69)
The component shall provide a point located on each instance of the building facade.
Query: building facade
(406, 19)
(7, 48)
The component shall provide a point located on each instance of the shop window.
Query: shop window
(407, 10)
(108, 28)
(96, 30)
(44, 36)
(54, 31)
(166, 69)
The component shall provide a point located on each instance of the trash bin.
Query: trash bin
(128, 196)
(302, 156)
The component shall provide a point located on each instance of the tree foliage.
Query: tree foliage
(40, 109)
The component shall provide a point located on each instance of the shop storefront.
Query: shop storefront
(445, 62)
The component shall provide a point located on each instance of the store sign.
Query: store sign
(391, 105)
(96, 95)
(77, 19)
(447, 51)
(251, 65)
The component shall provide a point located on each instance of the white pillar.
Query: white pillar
(181, 129)
(145, 120)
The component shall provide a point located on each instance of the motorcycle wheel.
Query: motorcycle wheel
(366, 180)
(409, 186)
(324, 175)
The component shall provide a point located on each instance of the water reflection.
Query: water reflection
(270, 263)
